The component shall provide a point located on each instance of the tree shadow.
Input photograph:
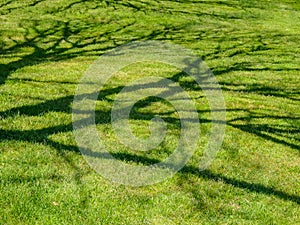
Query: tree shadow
(55, 51)
(252, 187)
(68, 43)
(280, 134)
(63, 104)
(207, 175)
(248, 67)
(56, 40)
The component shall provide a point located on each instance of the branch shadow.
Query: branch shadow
(207, 175)
(64, 105)
(44, 50)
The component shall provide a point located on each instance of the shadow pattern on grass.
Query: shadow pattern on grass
(63, 105)
(67, 41)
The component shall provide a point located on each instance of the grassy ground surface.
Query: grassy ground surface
(251, 46)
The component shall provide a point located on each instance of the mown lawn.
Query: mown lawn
(252, 47)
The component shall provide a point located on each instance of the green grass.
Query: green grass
(251, 46)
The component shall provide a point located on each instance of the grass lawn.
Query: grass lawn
(253, 49)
